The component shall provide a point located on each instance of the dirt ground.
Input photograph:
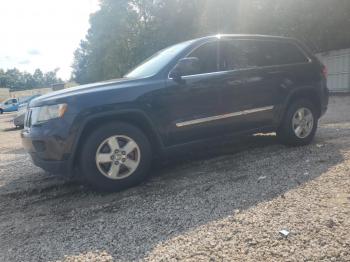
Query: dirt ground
(224, 203)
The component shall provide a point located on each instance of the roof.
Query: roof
(246, 36)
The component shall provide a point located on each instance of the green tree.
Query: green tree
(124, 32)
(17, 80)
(38, 77)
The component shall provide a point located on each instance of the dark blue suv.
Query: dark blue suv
(192, 92)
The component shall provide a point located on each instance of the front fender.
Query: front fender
(134, 116)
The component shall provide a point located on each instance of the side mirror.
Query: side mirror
(185, 66)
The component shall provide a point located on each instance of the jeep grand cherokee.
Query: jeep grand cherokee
(189, 93)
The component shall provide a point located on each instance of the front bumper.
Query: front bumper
(52, 167)
(47, 150)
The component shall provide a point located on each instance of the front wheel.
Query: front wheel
(299, 125)
(115, 157)
(1, 111)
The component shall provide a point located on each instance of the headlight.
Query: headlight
(45, 113)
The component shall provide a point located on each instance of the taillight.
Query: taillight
(324, 71)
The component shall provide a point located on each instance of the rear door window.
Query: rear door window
(237, 54)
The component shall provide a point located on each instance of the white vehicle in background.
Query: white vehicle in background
(18, 121)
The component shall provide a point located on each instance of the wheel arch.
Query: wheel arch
(309, 93)
(133, 117)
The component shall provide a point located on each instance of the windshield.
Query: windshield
(156, 62)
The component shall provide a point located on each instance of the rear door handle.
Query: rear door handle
(283, 86)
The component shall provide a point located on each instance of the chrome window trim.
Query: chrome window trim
(225, 116)
(309, 60)
(206, 74)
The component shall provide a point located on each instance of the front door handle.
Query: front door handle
(235, 82)
(274, 72)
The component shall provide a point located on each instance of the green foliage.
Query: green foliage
(17, 80)
(322, 24)
(125, 32)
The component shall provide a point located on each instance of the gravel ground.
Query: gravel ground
(227, 203)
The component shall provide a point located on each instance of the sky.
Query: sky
(43, 33)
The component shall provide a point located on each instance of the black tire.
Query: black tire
(286, 133)
(87, 162)
(1, 111)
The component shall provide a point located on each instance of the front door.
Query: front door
(186, 104)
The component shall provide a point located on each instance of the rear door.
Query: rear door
(257, 81)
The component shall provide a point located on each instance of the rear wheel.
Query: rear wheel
(1, 111)
(299, 125)
(115, 156)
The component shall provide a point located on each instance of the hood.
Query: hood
(61, 95)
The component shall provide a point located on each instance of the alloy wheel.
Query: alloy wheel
(118, 157)
(303, 122)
